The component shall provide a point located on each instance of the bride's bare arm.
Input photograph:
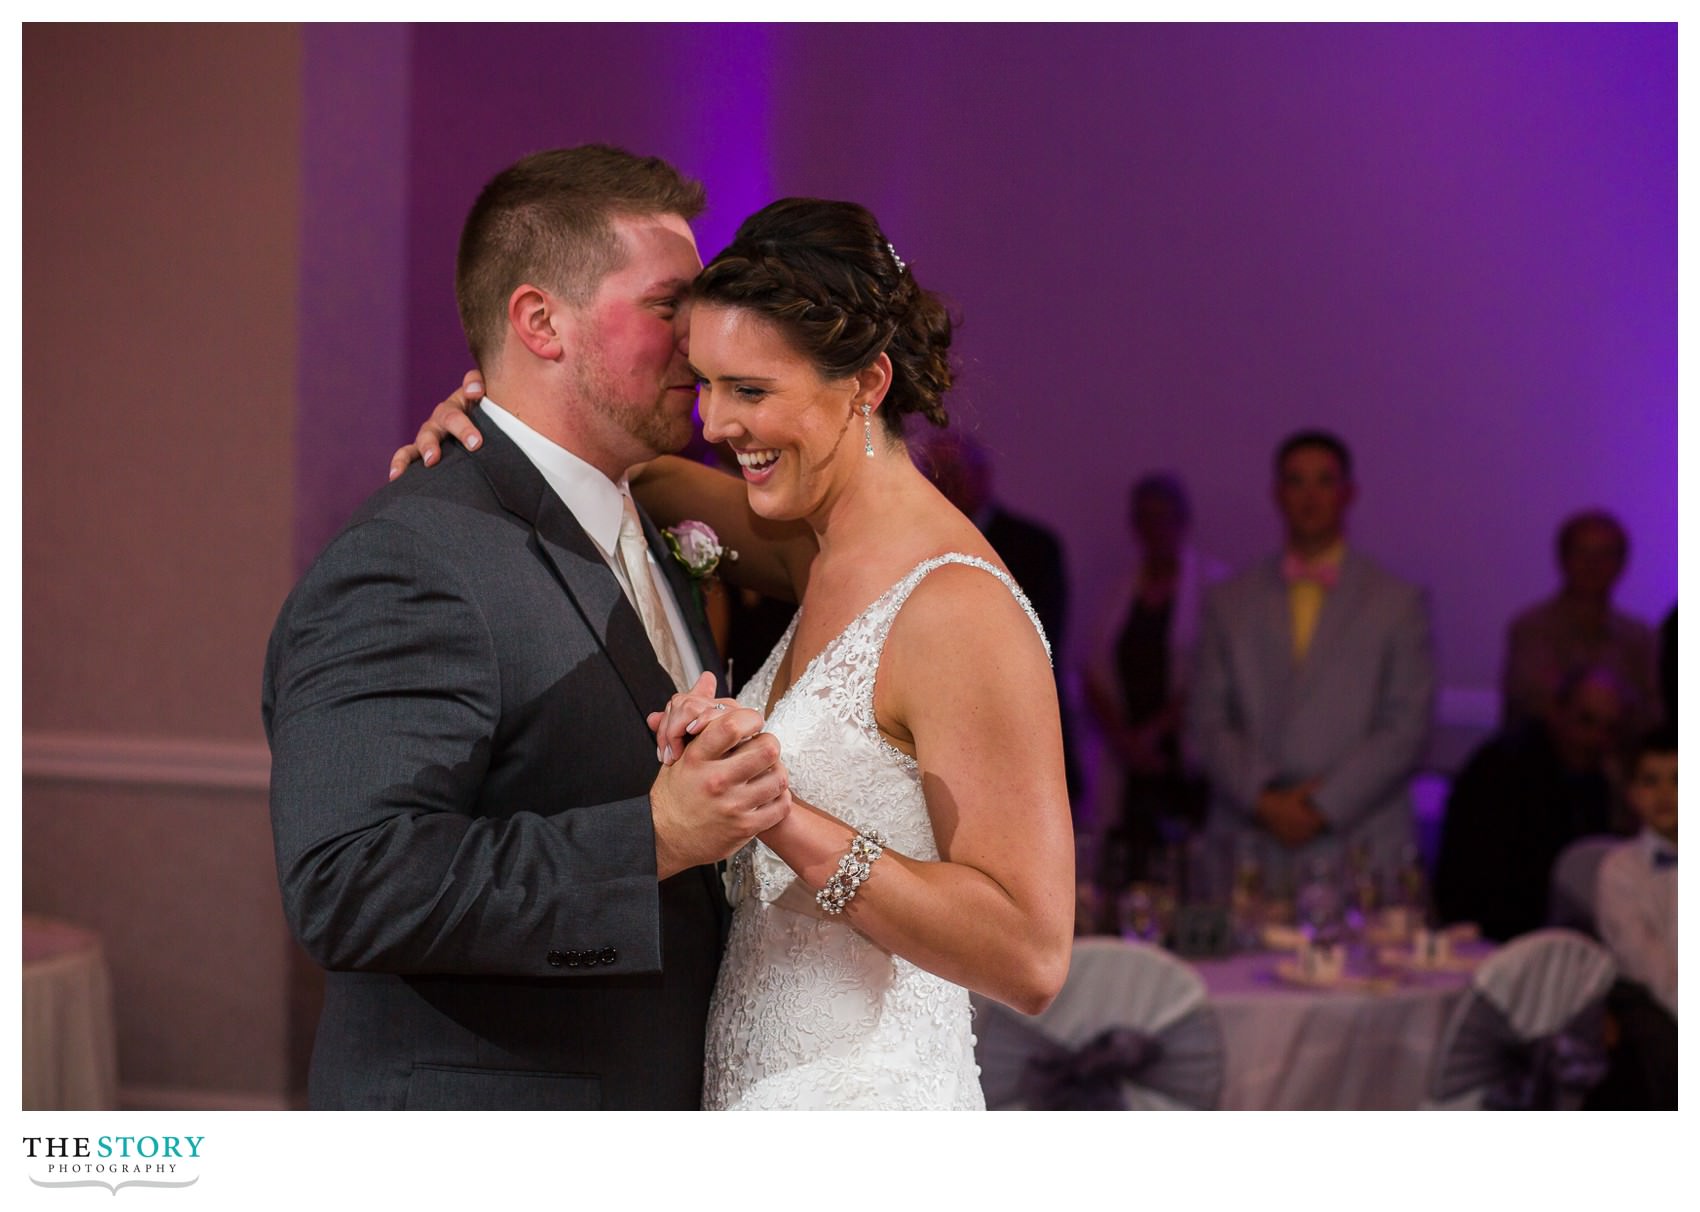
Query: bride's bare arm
(978, 706)
(773, 557)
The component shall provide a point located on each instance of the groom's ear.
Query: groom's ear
(540, 320)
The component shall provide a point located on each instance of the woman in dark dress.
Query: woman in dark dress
(1148, 797)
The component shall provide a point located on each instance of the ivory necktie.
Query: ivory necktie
(646, 598)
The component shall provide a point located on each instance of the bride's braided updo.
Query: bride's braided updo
(825, 275)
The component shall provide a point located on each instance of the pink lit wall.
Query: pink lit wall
(161, 200)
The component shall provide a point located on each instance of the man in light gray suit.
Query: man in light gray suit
(515, 902)
(1314, 684)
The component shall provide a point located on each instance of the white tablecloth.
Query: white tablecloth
(1296, 1048)
(69, 1040)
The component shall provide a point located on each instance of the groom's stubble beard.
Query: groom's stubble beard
(646, 419)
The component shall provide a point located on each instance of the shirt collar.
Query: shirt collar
(595, 500)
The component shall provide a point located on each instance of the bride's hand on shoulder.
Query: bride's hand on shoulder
(448, 419)
(686, 714)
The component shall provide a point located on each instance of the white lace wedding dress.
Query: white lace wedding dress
(807, 1013)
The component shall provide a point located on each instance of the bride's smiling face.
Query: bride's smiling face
(791, 427)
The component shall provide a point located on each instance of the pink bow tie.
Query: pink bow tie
(1295, 569)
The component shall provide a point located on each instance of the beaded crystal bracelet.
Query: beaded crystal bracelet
(853, 868)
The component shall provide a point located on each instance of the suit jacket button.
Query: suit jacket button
(556, 959)
(608, 955)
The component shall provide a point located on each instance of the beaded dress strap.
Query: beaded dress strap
(884, 618)
(901, 591)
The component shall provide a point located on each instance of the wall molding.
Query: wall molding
(73, 757)
(1466, 713)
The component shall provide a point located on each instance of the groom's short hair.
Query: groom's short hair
(548, 219)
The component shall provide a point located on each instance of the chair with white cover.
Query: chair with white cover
(1131, 1029)
(1570, 894)
(1528, 1033)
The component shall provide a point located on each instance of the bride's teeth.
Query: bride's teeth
(756, 459)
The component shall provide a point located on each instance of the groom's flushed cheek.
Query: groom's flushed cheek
(628, 351)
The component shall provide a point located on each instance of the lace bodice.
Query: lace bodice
(807, 1013)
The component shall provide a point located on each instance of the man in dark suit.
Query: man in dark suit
(516, 904)
(1523, 796)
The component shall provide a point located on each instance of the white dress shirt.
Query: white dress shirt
(595, 501)
(1635, 908)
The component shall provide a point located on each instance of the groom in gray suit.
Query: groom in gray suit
(516, 903)
(1312, 695)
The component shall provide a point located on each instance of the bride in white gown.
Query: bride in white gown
(807, 1012)
(912, 695)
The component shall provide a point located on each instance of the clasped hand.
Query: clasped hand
(721, 780)
(1288, 813)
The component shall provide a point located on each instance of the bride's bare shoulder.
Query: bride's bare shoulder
(971, 601)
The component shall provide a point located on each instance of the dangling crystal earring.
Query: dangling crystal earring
(867, 431)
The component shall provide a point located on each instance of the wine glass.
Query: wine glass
(1319, 905)
(1245, 903)
(1145, 912)
(1363, 892)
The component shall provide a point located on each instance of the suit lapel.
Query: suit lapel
(696, 622)
(577, 565)
(1276, 619)
(689, 598)
(592, 587)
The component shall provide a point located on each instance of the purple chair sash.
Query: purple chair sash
(1547, 1073)
(1021, 1066)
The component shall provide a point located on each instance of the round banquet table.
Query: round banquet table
(70, 1046)
(1296, 1048)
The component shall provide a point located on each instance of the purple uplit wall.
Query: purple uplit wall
(1170, 245)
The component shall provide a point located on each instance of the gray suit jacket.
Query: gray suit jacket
(1355, 711)
(455, 697)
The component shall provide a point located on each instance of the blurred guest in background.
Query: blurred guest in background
(1578, 627)
(960, 468)
(1636, 900)
(1528, 792)
(1311, 700)
(1148, 796)
(1636, 907)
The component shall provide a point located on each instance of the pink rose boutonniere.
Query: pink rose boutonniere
(695, 545)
